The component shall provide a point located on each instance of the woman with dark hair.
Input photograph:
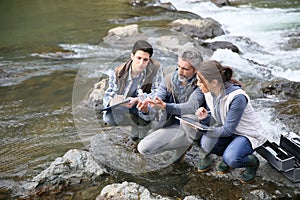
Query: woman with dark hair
(235, 130)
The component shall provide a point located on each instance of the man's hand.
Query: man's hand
(157, 103)
(143, 105)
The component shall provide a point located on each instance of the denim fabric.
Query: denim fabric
(236, 153)
(234, 149)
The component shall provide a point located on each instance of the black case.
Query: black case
(285, 157)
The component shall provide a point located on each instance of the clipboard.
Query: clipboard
(113, 106)
(194, 124)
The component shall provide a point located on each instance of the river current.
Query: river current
(36, 82)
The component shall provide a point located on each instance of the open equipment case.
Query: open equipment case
(285, 157)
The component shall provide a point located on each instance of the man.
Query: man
(140, 73)
(177, 95)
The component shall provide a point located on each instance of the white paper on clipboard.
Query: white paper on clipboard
(193, 123)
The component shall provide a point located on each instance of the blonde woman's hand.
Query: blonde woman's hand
(201, 113)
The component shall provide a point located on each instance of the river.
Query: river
(36, 82)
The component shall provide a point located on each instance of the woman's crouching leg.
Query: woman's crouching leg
(236, 154)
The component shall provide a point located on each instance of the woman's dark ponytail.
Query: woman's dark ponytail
(226, 73)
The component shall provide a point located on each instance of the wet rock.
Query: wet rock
(167, 5)
(293, 43)
(259, 194)
(221, 3)
(282, 88)
(95, 98)
(172, 42)
(71, 169)
(137, 3)
(198, 28)
(288, 112)
(116, 35)
(287, 106)
(133, 191)
(222, 45)
(127, 190)
(59, 55)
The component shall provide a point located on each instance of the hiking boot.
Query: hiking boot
(134, 133)
(222, 168)
(179, 156)
(134, 138)
(204, 163)
(178, 159)
(251, 169)
(196, 143)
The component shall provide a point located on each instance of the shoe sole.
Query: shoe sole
(223, 172)
(247, 182)
(204, 170)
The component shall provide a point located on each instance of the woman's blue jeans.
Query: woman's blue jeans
(234, 149)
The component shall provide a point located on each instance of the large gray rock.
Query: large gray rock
(127, 190)
(123, 35)
(222, 45)
(132, 191)
(282, 88)
(74, 167)
(198, 28)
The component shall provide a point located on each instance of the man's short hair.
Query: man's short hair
(193, 56)
(143, 46)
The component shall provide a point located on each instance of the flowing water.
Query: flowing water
(268, 23)
(36, 82)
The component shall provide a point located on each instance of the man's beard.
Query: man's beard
(182, 78)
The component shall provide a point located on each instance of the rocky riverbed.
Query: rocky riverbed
(78, 169)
